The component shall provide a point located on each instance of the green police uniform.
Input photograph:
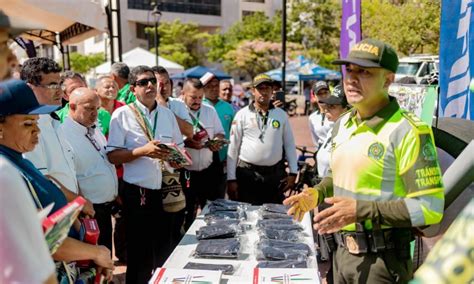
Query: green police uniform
(394, 175)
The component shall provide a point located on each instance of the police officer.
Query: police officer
(260, 137)
(385, 175)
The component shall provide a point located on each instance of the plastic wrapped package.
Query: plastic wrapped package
(216, 232)
(223, 222)
(286, 227)
(228, 205)
(292, 236)
(274, 253)
(271, 215)
(219, 215)
(283, 264)
(285, 245)
(225, 268)
(218, 248)
(275, 208)
(264, 222)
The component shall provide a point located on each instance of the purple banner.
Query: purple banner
(350, 26)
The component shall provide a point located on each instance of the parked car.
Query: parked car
(418, 68)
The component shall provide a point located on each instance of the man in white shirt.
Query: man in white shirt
(319, 125)
(53, 155)
(260, 137)
(203, 184)
(147, 246)
(96, 176)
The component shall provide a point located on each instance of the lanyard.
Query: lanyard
(151, 130)
(195, 119)
(263, 127)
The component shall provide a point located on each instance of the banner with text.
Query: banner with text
(457, 59)
(350, 27)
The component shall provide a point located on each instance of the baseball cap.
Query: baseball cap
(320, 85)
(371, 53)
(16, 97)
(16, 26)
(337, 97)
(261, 78)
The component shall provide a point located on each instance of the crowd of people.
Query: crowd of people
(60, 139)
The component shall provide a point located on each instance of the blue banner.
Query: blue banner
(456, 59)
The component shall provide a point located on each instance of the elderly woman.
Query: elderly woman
(25, 249)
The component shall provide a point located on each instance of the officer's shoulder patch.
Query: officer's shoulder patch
(276, 124)
(376, 150)
(415, 121)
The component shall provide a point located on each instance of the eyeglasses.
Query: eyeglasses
(144, 82)
(52, 86)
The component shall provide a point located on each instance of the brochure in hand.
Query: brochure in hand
(178, 155)
(216, 141)
(170, 275)
(56, 227)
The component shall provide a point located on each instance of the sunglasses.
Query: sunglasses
(144, 82)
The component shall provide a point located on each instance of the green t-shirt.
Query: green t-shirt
(226, 113)
(103, 118)
(125, 95)
(63, 113)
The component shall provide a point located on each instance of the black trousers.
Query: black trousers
(120, 242)
(203, 185)
(260, 184)
(104, 220)
(147, 232)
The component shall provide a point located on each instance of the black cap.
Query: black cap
(371, 53)
(261, 78)
(16, 97)
(318, 86)
(337, 97)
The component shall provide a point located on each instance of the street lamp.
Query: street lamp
(156, 13)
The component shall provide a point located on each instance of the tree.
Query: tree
(253, 27)
(83, 63)
(254, 57)
(409, 26)
(180, 42)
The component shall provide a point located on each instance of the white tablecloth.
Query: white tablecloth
(244, 265)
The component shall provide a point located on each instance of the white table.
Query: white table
(244, 265)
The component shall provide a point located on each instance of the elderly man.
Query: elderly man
(261, 136)
(53, 155)
(119, 72)
(107, 90)
(70, 81)
(95, 174)
(147, 247)
(384, 176)
(204, 184)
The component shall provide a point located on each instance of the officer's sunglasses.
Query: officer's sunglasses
(144, 82)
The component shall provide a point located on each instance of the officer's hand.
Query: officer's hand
(232, 190)
(302, 203)
(342, 213)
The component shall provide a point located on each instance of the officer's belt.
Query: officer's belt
(260, 169)
(360, 242)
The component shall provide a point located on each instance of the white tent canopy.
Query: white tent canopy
(60, 16)
(140, 56)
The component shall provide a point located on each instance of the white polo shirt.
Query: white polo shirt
(209, 119)
(320, 128)
(53, 155)
(178, 107)
(260, 144)
(96, 176)
(126, 133)
(24, 256)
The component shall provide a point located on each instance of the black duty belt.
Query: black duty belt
(260, 169)
(360, 242)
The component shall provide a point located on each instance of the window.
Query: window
(72, 48)
(247, 13)
(141, 31)
(202, 7)
(98, 38)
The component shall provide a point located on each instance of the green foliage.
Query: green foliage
(253, 27)
(180, 42)
(409, 26)
(83, 63)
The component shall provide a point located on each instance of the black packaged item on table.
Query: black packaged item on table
(223, 222)
(228, 205)
(292, 236)
(222, 215)
(271, 215)
(225, 268)
(216, 232)
(264, 222)
(275, 253)
(219, 248)
(285, 227)
(283, 264)
(275, 208)
(284, 245)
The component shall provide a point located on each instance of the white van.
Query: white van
(418, 67)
